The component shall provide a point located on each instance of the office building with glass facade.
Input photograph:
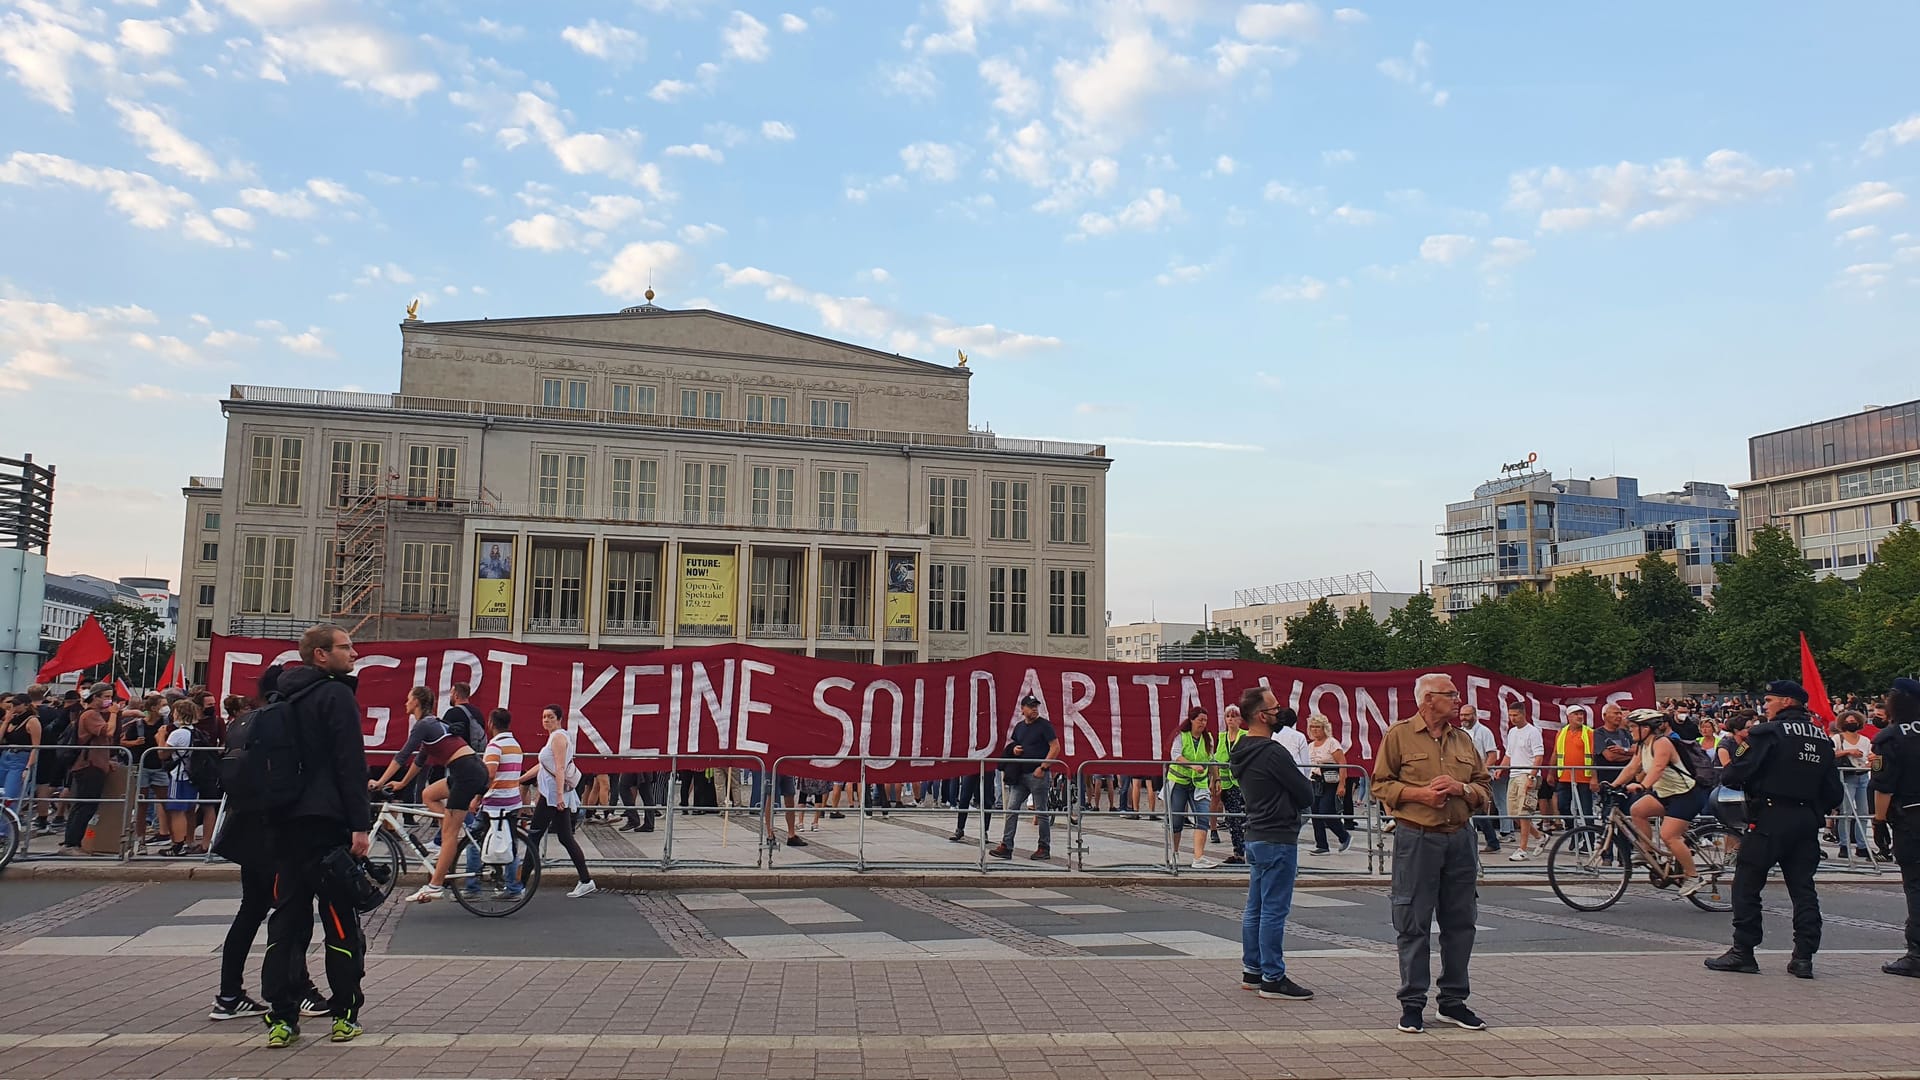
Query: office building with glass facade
(1693, 547)
(1839, 486)
(1508, 536)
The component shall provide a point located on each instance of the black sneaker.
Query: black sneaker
(1461, 1016)
(1906, 965)
(312, 1003)
(1800, 967)
(1411, 1020)
(1250, 980)
(236, 1008)
(1285, 990)
(1233, 860)
(795, 841)
(957, 838)
(1734, 959)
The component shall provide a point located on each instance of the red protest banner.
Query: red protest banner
(741, 700)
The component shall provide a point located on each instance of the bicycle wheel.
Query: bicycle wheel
(1585, 870)
(385, 862)
(1714, 846)
(15, 837)
(490, 890)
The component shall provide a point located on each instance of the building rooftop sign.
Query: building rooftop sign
(1519, 466)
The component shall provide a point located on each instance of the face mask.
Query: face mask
(166, 711)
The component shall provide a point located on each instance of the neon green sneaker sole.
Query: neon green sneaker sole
(281, 1035)
(345, 1030)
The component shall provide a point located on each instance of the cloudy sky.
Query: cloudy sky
(1308, 271)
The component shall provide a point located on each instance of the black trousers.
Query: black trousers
(640, 792)
(297, 885)
(1906, 852)
(546, 818)
(973, 788)
(1786, 836)
(86, 784)
(256, 902)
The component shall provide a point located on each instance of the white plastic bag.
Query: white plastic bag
(497, 848)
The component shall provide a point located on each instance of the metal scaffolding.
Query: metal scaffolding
(1310, 589)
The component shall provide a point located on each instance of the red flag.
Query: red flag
(88, 646)
(166, 676)
(120, 690)
(1818, 703)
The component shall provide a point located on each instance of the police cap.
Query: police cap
(1787, 688)
(1909, 687)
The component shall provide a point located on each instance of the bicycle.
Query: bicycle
(485, 889)
(1589, 865)
(12, 836)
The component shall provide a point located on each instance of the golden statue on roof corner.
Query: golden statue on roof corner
(963, 356)
(413, 311)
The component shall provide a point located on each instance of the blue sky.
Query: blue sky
(1310, 272)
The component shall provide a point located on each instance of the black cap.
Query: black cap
(1787, 688)
(1029, 702)
(1909, 687)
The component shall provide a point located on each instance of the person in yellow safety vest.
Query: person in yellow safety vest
(1194, 752)
(1233, 803)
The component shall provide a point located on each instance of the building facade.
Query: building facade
(1139, 643)
(1693, 548)
(645, 479)
(70, 598)
(1839, 486)
(1505, 537)
(1266, 623)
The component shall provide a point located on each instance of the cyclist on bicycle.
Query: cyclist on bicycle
(1670, 793)
(452, 797)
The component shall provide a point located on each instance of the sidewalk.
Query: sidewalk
(969, 1019)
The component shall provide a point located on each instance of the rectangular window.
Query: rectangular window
(1849, 519)
(367, 475)
(210, 521)
(210, 551)
(631, 578)
(202, 630)
(273, 471)
(1057, 513)
(829, 498)
(771, 601)
(936, 596)
(556, 592)
(620, 488)
(253, 575)
(206, 596)
(622, 397)
(1854, 484)
(1077, 514)
(260, 471)
(761, 507)
(783, 498)
(765, 409)
(850, 501)
(552, 393)
(413, 577)
(576, 393)
(548, 501)
(634, 398)
(280, 585)
(690, 403)
(825, 413)
(712, 405)
(843, 609)
(419, 472)
(817, 413)
(1019, 509)
(646, 489)
(996, 510)
(446, 472)
(996, 600)
(440, 578)
(575, 501)
(936, 507)
(693, 490)
(957, 507)
(716, 494)
(340, 474)
(1056, 602)
(1077, 603)
(957, 596)
(842, 415)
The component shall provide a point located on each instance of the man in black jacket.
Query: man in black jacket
(331, 812)
(1275, 793)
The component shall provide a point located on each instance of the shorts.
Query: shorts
(1687, 805)
(1522, 800)
(155, 779)
(466, 781)
(786, 785)
(182, 796)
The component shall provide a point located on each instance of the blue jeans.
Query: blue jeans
(1855, 785)
(1263, 925)
(13, 776)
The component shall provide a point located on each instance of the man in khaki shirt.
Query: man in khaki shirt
(1429, 776)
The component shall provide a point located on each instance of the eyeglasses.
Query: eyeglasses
(1455, 694)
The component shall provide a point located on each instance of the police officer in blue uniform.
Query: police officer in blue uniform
(1896, 801)
(1792, 782)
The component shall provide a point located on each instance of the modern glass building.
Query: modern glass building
(1840, 486)
(1513, 531)
(1692, 546)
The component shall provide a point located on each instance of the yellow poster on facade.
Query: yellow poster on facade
(902, 592)
(706, 589)
(492, 579)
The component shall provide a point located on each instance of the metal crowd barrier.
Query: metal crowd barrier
(30, 806)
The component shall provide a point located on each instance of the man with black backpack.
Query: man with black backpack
(318, 818)
(463, 720)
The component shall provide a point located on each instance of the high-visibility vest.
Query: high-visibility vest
(1192, 749)
(1227, 782)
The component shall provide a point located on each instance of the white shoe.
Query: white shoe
(1204, 864)
(426, 894)
(1520, 856)
(1692, 885)
(585, 888)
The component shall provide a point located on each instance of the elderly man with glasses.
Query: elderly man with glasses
(1430, 777)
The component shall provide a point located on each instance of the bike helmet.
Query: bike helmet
(1649, 717)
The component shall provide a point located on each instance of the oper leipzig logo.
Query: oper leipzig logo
(1519, 466)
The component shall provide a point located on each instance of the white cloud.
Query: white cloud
(581, 153)
(1230, 58)
(143, 200)
(1413, 71)
(1899, 134)
(150, 392)
(1265, 22)
(1179, 273)
(1866, 277)
(1069, 175)
(777, 131)
(229, 339)
(288, 204)
(700, 234)
(542, 232)
(793, 24)
(1307, 289)
(745, 38)
(938, 162)
(333, 191)
(309, 343)
(497, 30)
(1506, 251)
(862, 319)
(233, 217)
(167, 347)
(627, 277)
(1349, 15)
(858, 192)
(1142, 214)
(1341, 156)
(45, 340)
(1858, 234)
(667, 91)
(1107, 94)
(1225, 165)
(915, 80)
(1640, 195)
(1446, 248)
(604, 41)
(361, 57)
(878, 275)
(1353, 215)
(577, 228)
(43, 43)
(696, 150)
(1013, 92)
(145, 37)
(1871, 197)
(164, 143)
(1275, 191)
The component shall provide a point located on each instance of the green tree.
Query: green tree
(1882, 639)
(1416, 638)
(1360, 643)
(1579, 637)
(1766, 598)
(1496, 633)
(1231, 636)
(1308, 636)
(140, 647)
(1664, 618)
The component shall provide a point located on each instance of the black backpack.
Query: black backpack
(203, 767)
(261, 768)
(465, 724)
(1698, 764)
